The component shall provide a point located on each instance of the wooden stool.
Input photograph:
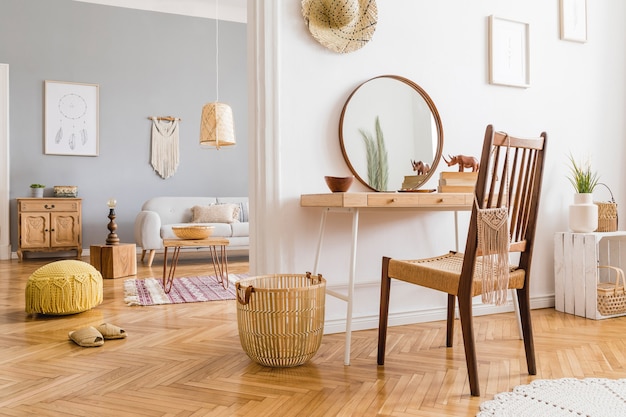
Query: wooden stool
(114, 261)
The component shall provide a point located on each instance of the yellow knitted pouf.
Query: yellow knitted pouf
(63, 287)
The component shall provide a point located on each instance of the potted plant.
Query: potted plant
(37, 190)
(583, 214)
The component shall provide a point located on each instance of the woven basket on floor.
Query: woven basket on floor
(611, 295)
(281, 317)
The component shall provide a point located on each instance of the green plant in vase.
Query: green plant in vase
(581, 177)
(36, 190)
(583, 214)
(377, 165)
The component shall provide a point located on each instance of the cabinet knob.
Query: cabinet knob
(394, 200)
(52, 230)
(49, 207)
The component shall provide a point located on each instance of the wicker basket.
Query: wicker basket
(193, 232)
(281, 318)
(611, 296)
(607, 214)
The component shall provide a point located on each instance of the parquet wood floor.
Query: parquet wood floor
(186, 360)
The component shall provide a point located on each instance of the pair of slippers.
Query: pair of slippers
(95, 336)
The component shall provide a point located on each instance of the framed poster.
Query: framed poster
(509, 55)
(574, 20)
(71, 118)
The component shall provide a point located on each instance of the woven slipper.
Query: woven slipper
(87, 337)
(111, 331)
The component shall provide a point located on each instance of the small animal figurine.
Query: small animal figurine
(420, 167)
(463, 161)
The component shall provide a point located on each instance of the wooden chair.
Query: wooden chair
(458, 274)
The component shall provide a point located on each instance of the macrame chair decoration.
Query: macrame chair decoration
(460, 274)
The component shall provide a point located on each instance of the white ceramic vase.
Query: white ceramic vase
(583, 214)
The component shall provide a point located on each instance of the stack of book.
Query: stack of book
(412, 181)
(457, 182)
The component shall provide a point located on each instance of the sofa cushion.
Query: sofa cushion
(215, 213)
(241, 229)
(243, 206)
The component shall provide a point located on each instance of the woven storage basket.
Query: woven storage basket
(607, 214)
(281, 318)
(611, 296)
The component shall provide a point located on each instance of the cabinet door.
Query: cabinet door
(65, 229)
(35, 230)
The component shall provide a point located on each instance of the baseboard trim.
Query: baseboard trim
(424, 316)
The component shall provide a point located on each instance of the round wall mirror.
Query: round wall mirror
(387, 127)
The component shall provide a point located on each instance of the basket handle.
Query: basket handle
(610, 192)
(248, 291)
(315, 280)
(618, 272)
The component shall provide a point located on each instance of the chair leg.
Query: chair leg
(467, 326)
(385, 288)
(143, 254)
(523, 298)
(450, 320)
(151, 256)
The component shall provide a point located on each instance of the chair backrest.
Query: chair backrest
(510, 175)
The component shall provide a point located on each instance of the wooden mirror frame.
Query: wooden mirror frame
(434, 114)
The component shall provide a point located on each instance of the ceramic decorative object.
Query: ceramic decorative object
(583, 214)
(339, 184)
(65, 191)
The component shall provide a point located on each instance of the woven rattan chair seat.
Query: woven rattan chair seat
(443, 272)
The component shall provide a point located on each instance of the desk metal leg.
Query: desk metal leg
(351, 278)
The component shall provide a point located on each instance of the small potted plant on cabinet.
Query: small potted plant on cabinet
(37, 190)
(583, 214)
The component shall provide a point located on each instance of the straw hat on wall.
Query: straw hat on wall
(341, 25)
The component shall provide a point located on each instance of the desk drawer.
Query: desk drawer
(392, 200)
(421, 200)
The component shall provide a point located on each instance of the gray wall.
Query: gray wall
(146, 63)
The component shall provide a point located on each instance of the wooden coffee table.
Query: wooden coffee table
(217, 248)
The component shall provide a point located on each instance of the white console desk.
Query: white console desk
(352, 203)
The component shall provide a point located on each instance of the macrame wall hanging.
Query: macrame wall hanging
(164, 156)
(493, 242)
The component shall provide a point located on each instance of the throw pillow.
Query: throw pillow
(215, 213)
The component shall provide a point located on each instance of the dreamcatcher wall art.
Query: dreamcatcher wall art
(71, 118)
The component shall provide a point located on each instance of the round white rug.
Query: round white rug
(592, 397)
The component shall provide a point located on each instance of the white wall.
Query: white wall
(577, 95)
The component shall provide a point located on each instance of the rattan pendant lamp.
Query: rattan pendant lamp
(216, 123)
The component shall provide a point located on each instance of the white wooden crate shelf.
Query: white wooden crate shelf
(576, 260)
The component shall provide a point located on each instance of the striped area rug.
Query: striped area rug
(149, 291)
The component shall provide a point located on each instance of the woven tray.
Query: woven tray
(192, 232)
(281, 318)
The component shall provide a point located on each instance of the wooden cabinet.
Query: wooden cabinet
(49, 224)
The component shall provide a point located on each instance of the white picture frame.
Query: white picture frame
(573, 20)
(71, 118)
(509, 52)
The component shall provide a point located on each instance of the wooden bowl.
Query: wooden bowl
(192, 232)
(339, 184)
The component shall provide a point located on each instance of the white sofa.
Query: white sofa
(157, 216)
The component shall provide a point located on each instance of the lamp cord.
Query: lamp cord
(217, 54)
